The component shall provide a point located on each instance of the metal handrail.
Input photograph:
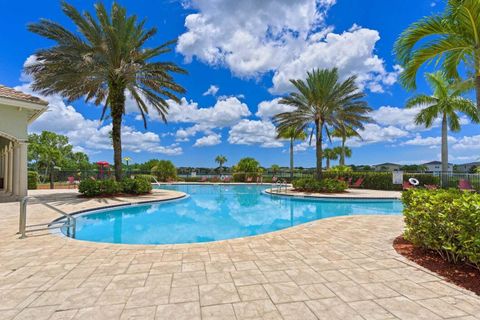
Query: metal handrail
(22, 226)
(156, 181)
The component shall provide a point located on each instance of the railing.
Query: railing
(23, 227)
(279, 185)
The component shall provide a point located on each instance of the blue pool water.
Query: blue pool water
(216, 212)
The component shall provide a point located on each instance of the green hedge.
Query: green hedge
(324, 185)
(92, 188)
(32, 180)
(447, 221)
(382, 180)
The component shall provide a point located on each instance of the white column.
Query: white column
(22, 164)
(16, 170)
(10, 169)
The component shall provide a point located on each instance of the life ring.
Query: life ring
(413, 181)
(222, 177)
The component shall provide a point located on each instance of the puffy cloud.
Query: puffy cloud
(269, 108)
(431, 142)
(468, 143)
(66, 120)
(212, 90)
(207, 141)
(286, 37)
(373, 133)
(253, 132)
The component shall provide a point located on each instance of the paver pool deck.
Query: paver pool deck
(337, 268)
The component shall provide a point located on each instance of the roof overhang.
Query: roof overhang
(36, 109)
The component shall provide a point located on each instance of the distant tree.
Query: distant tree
(344, 133)
(329, 154)
(101, 62)
(221, 161)
(49, 150)
(275, 169)
(164, 170)
(292, 134)
(247, 165)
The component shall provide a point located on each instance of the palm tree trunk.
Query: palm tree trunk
(117, 105)
(328, 162)
(50, 175)
(444, 150)
(342, 154)
(291, 158)
(477, 89)
(318, 136)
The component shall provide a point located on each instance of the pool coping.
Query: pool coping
(319, 196)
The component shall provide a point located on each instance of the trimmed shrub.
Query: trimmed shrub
(324, 185)
(136, 186)
(32, 180)
(89, 187)
(446, 221)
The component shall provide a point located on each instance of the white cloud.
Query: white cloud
(286, 37)
(427, 141)
(207, 141)
(269, 108)
(254, 132)
(468, 143)
(373, 133)
(91, 136)
(212, 90)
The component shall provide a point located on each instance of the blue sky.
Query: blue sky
(240, 55)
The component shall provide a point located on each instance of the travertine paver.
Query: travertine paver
(340, 268)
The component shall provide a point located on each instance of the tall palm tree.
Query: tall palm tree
(343, 152)
(445, 103)
(451, 38)
(329, 154)
(318, 101)
(292, 134)
(221, 161)
(103, 61)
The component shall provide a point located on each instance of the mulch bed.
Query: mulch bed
(461, 274)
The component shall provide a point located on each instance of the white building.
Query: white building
(436, 167)
(467, 167)
(17, 111)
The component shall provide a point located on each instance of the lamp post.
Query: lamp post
(127, 159)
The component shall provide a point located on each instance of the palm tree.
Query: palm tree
(451, 38)
(102, 62)
(445, 103)
(292, 134)
(344, 133)
(319, 100)
(343, 152)
(221, 160)
(329, 154)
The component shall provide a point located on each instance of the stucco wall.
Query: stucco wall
(14, 121)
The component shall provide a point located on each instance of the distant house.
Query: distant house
(467, 167)
(436, 167)
(387, 166)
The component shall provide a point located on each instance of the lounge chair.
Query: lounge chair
(249, 179)
(259, 179)
(465, 185)
(431, 186)
(274, 179)
(407, 185)
(349, 181)
(227, 179)
(357, 183)
(204, 179)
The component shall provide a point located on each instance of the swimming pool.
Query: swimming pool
(216, 212)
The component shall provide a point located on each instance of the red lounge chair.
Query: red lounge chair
(72, 182)
(227, 179)
(349, 181)
(204, 179)
(406, 185)
(431, 186)
(274, 179)
(465, 185)
(357, 183)
(249, 179)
